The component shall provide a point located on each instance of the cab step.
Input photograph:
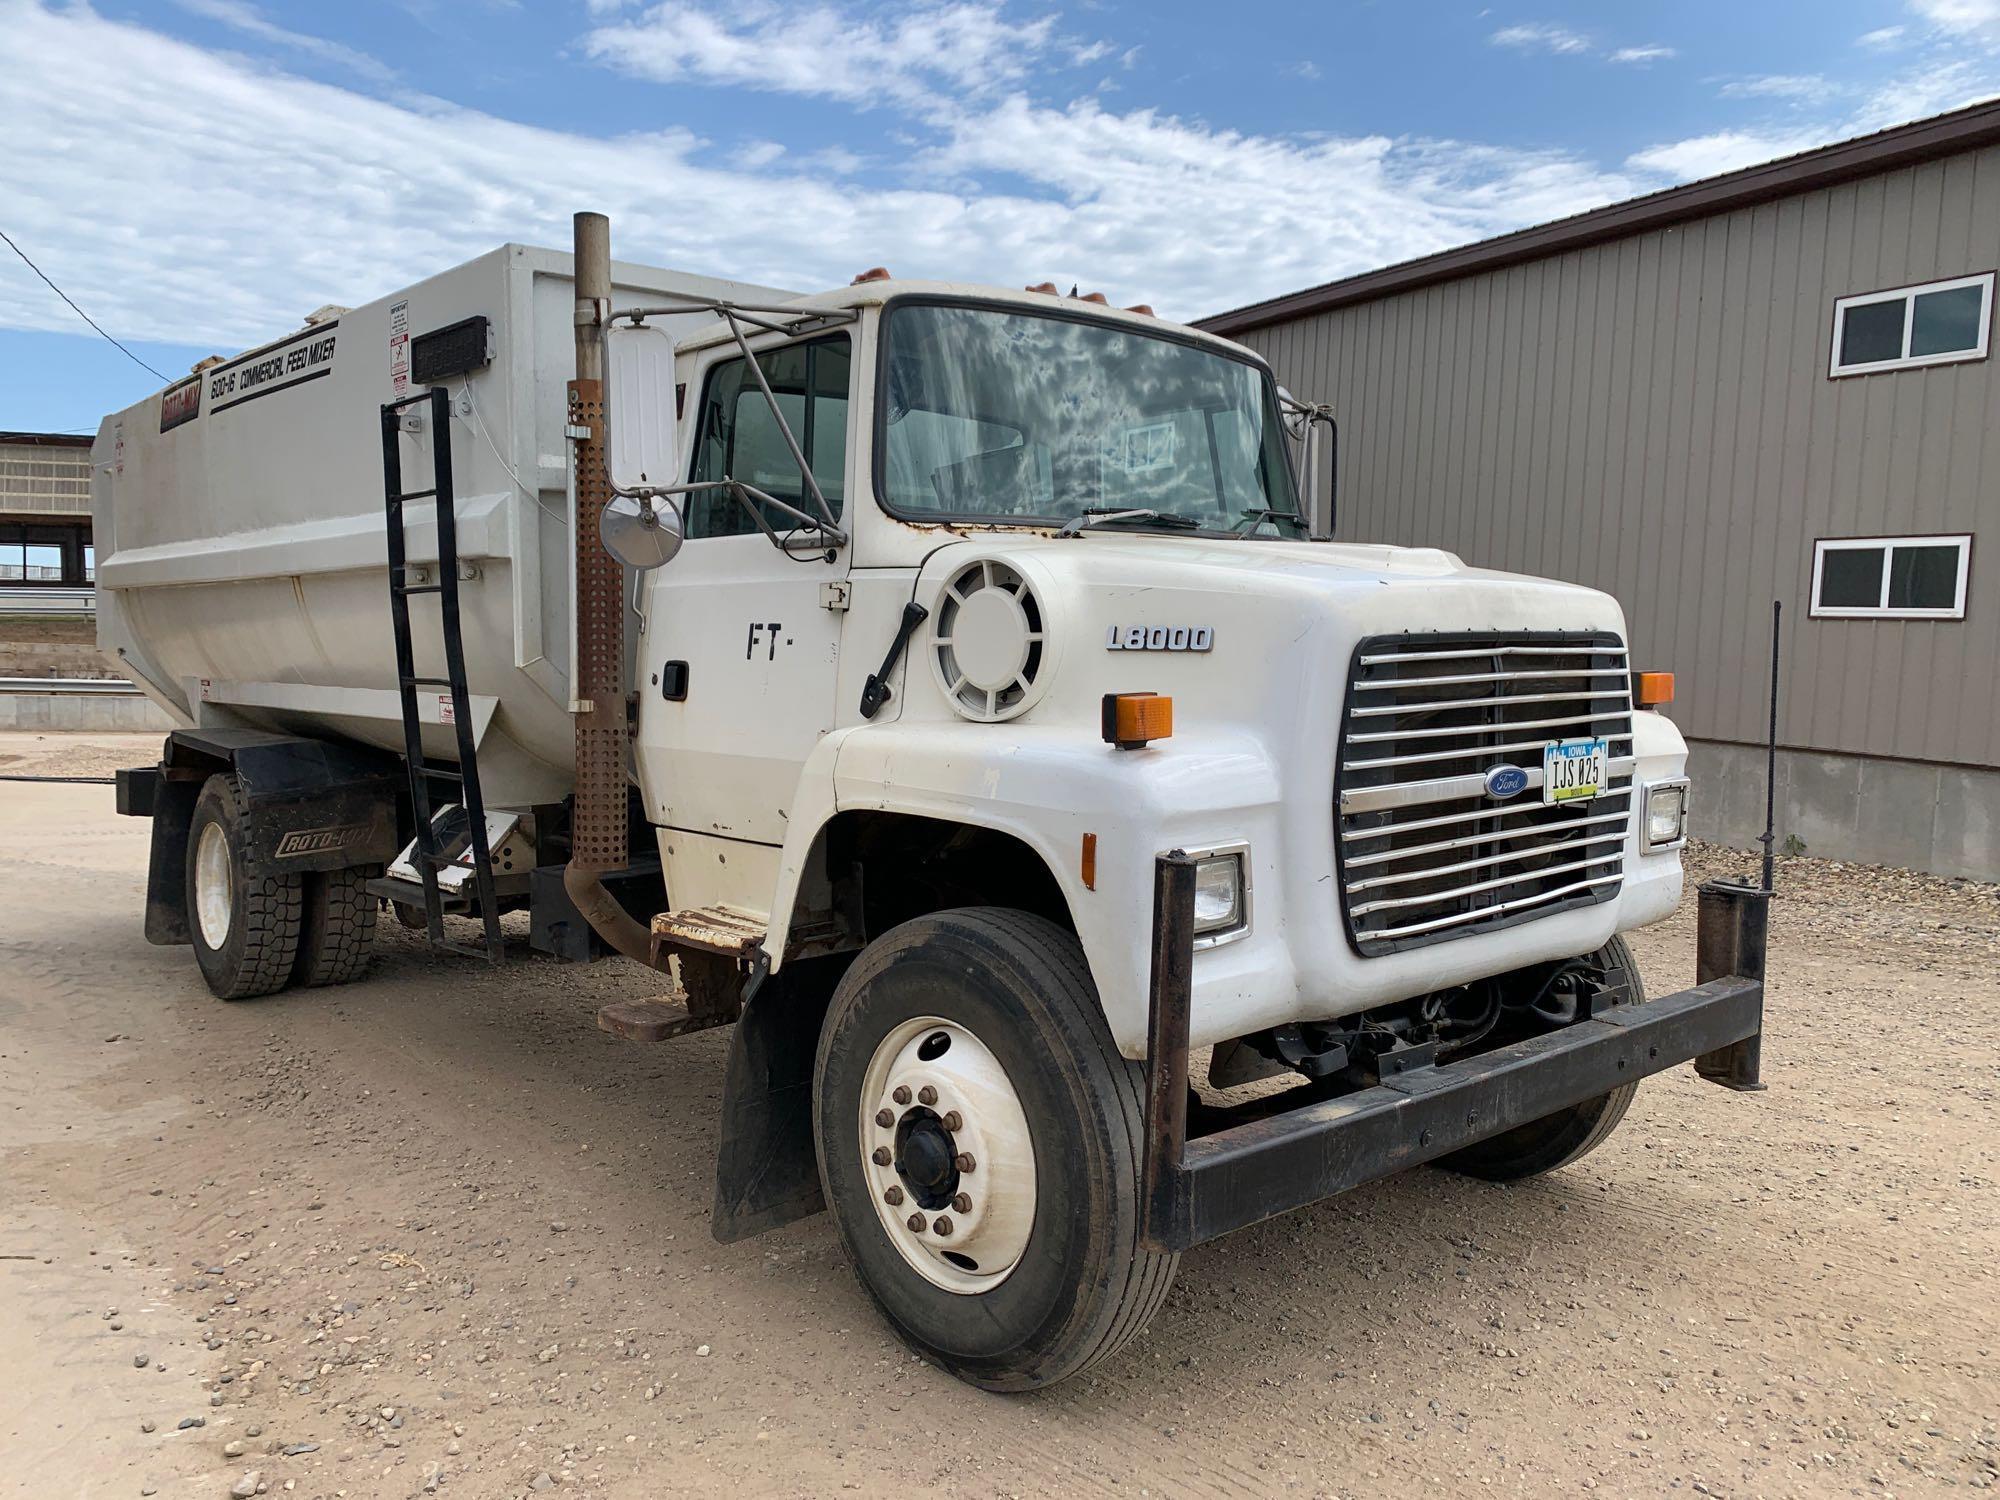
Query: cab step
(732, 931)
(713, 947)
(657, 1020)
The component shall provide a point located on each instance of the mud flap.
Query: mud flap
(766, 1173)
(172, 810)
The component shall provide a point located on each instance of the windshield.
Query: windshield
(1016, 417)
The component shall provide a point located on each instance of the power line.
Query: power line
(77, 310)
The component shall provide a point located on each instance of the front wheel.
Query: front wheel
(979, 1142)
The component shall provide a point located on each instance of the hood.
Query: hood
(1243, 625)
(1345, 575)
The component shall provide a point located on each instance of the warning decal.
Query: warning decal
(399, 348)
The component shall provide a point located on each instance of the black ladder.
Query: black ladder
(429, 856)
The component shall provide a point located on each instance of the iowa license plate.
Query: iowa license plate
(1573, 770)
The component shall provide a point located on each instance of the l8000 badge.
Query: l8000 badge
(1159, 638)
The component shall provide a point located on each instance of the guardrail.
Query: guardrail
(45, 600)
(79, 687)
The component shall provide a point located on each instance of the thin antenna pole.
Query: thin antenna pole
(1771, 754)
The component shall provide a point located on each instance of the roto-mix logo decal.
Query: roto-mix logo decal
(303, 841)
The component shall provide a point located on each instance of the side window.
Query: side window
(739, 439)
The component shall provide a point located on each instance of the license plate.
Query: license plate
(1573, 770)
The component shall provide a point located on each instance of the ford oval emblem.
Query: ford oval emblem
(1506, 781)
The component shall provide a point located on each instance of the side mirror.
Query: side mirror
(1324, 441)
(641, 408)
(1318, 436)
(640, 531)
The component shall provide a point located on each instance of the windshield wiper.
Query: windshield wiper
(1099, 515)
(1257, 518)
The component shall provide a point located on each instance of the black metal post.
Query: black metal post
(1162, 1183)
(1730, 932)
(1771, 753)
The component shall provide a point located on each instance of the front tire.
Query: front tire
(1555, 1140)
(979, 1143)
(245, 927)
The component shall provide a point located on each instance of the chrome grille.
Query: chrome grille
(1424, 853)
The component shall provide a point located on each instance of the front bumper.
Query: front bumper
(1196, 1189)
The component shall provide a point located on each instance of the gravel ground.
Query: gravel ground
(434, 1232)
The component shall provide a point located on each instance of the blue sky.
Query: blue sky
(199, 174)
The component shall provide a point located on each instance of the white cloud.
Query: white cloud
(920, 56)
(242, 16)
(1561, 41)
(1974, 18)
(1928, 88)
(1720, 151)
(227, 199)
(1540, 36)
(1881, 38)
(1801, 88)
(1306, 69)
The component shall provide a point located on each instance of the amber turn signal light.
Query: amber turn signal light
(1651, 689)
(1133, 720)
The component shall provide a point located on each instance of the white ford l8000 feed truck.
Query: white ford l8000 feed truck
(1001, 734)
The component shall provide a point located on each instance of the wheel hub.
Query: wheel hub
(212, 893)
(946, 1151)
(925, 1157)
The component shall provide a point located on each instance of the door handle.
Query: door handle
(674, 681)
(875, 691)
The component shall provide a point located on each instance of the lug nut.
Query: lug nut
(927, 1095)
(893, 1196)
(964, 1162)
(881, 1156)
(953, 1121)
(884, 1118)
(963, 1203)
(916, 1222)
(941, 1226)
(902, 1094)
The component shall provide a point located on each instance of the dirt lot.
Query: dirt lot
(436, 1230)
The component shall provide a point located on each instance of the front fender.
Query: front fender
(1048, 787)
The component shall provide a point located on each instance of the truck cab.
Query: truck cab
(1089, 504)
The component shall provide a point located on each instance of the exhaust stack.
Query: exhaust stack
(598, 827)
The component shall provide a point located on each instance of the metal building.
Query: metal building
(47, 562)
(1769, 385)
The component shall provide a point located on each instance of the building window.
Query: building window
(51, 555)
(1938, 323)
(1891, 578)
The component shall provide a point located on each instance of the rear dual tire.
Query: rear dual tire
(256, 933)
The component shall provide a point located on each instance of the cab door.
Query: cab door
(739, 654)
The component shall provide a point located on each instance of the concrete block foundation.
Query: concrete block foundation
(1943, 819)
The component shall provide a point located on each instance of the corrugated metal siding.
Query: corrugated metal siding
(1653, 417)
(43, 480)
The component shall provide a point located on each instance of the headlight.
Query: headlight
(1666, 814)
(1221, 897)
